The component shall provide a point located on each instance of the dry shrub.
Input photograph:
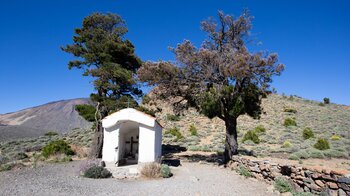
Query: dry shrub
(80, 151)
(151, 170)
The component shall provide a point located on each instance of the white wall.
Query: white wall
(110, 142)
(146, 143)
(158, 142)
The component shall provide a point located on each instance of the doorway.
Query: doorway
(128, 143)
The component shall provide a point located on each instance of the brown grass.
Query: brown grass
(151, 170)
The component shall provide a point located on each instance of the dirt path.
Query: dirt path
(188, 179)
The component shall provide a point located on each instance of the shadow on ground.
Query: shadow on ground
(173, 154)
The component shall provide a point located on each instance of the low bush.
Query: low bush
(326, 100)
(335, 153)
(282, 185)
(172, 117)
(293, 157)
(290, 110)
(308, 133)
(314, 153)
(251, 135)
(322, 144)
(302, 154)
(51, 133)
(321, 104)
(60, 158)
(260, 129)
(242, 170)
(335, 137)
(97, 172)
(289, 122)
(175, 132)
(194, 148)
(165, 171)
(57, 147)
(193, 130)
(286, 144)
(151, 170)
(10, 166)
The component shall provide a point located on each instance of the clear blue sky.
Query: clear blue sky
(311, 38)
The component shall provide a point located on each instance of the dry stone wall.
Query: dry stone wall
(315, 180)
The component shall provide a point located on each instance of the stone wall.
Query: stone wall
(308, 179)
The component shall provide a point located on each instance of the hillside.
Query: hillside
(325, 121)
(59, 116)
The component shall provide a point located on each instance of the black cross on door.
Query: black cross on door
(132, 142)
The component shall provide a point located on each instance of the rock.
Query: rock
(299, 182)
(275, 174)
(266, 162)
(275, 169)
(319, 183)
(307, 181)
(332, 185)
(299, 177)
(344, 186)
(292, 175)
(306, 189)
(314, 187)
(341, 192)
(307, 173)
(344, 180)
(316, 176)
(326, 171)
(258, 176)
(330, 192)
(255, 169)
(264, 173)
(327, 177)
(265, 167)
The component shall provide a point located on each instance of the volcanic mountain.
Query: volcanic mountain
(58, 116)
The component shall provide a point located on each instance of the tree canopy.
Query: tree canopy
(221, 78)
(104, 54)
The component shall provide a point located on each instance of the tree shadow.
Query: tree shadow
(213, 158)
(172, 158)
(168, 152)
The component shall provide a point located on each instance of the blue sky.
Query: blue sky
(311, 38)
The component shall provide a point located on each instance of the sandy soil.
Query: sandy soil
(189, 179)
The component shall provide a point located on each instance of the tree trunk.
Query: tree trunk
(97, 145)
(96, 150)
(231, 144)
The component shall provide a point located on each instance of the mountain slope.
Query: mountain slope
(59, 116)
(324, 121)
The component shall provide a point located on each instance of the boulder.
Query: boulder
(344, 180)
(344, 186)
(341, 192)
(332, 185)
(319, 183)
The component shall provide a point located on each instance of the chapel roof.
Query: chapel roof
(129, 114)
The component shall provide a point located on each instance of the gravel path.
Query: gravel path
(189, 179)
